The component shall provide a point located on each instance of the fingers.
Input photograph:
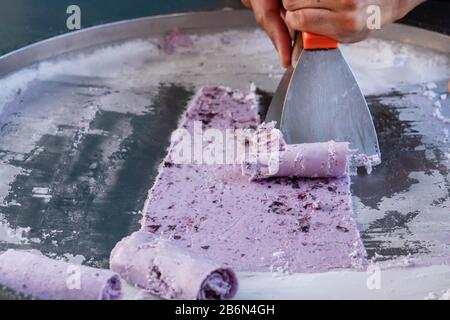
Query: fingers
(335, 5)
(268, 16)
(297, 49)
(291, 31)
(247, 3)
(343, 20)
(344, 27)
(279, 34)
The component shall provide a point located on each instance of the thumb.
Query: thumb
(297, 49)
(275, 27)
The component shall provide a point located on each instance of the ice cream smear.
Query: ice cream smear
(286, 224)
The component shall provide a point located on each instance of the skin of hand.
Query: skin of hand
(269, 15)
(342, 20)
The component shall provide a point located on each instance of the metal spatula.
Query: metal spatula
(319, 100)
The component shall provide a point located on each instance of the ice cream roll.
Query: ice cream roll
(33, 274)
(169, 271)
(314, 160)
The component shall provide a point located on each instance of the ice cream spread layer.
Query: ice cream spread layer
(171, 272)
(35, 275)
(202, 202)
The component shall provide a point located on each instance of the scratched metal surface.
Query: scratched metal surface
(81, 138)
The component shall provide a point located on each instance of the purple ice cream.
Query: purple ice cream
(315, 160)
(168, 271)
(270, 156)
(174, 40)
(278, 224)
(40, 277)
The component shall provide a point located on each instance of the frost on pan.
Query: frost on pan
(40, 277)
(212, 209)
(357, 160)
(162, 268)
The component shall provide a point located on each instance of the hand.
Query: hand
(269, 16)
(343, 20)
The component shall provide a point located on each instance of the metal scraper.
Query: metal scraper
(319, 100)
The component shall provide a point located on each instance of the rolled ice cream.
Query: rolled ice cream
(270, 156)
(35, 275)
(163, 268)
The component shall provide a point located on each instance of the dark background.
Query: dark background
(26, 21)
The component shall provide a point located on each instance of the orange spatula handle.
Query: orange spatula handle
(312, 41)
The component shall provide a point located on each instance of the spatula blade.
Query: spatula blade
(324, 102)
(276, 105)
